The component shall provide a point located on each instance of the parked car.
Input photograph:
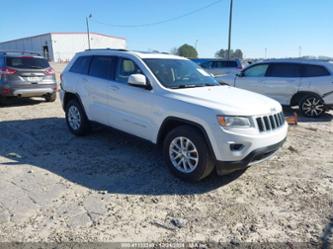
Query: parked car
(26, 74)
(171, 101)
(303, 83)
(219, 67)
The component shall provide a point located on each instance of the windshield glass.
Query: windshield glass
(27, 62)
(175, 73)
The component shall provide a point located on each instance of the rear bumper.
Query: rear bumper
(256, 156)
(37, 90)
(32, 92)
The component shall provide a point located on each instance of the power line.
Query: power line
(159, 22)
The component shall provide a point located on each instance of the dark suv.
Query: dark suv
(26, 74)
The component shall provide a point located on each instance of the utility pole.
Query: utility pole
(196, 44)
(265, 53)
(230, 26)
(300, 51)
(88, 32)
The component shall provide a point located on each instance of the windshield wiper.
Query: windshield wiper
(37, 67)
(209, 84)
(184, 86)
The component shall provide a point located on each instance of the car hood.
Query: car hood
(228, 100)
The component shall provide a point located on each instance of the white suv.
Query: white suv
(304, 83)
(169, 100)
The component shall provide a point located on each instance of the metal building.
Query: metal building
(61, 46)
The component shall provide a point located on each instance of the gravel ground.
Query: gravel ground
(110, 186)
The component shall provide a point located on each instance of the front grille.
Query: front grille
(271, 122)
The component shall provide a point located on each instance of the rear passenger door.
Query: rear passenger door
(99, 89)
(282, 81)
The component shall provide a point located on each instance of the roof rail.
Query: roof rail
(111, 49)
(20, 52)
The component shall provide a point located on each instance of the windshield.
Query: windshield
(175, 73)
(27, 62)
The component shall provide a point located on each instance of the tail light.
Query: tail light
(7, 71)
(5, 91)
(49, 71)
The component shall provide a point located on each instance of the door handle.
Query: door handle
(84, 79)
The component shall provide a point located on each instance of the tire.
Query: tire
(312, 106)
(51, 97)
(2, 101)
(76, 118)
(193, 140)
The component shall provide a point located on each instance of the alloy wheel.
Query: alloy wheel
(313, 107)
(183, 154)
(74, 117)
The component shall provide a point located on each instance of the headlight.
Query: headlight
(234, 122)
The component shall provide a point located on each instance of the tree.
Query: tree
(174, 51)
(223, 53)
(187, 51)
(238, 54)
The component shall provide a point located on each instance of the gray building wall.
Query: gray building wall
(61, 47)
(32, 44)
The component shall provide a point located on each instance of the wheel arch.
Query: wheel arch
(68, 96)
(171, 123)
(297, 97)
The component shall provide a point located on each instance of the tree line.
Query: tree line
(189, 51)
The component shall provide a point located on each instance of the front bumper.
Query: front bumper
(256, 156)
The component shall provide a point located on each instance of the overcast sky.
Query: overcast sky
(281, 26)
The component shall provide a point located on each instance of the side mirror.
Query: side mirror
(137, 80)
(241, 74)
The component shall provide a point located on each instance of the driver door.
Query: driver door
(131, 106)
(253, 78)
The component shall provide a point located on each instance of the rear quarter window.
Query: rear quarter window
(26, 62)
(81, 65)
(314, 71)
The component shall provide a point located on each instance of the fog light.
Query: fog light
(236, 147)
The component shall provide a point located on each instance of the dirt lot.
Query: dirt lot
(112, 187)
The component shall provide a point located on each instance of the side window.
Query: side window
(102, 67)
(256, 71)
(81, 65)
(126, 67)
(206, 65)
(286, 70)
(314, 71)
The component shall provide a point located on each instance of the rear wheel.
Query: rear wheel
(312, 106)
(186, 153)
(76, 118)
(51, 97)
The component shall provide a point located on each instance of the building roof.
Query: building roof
(66, 33)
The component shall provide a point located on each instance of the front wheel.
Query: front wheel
(76, 118)
(312, 106)
(186, 153)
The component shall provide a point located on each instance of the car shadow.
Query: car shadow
(106, 160)
(15, 102)
(326, 117)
